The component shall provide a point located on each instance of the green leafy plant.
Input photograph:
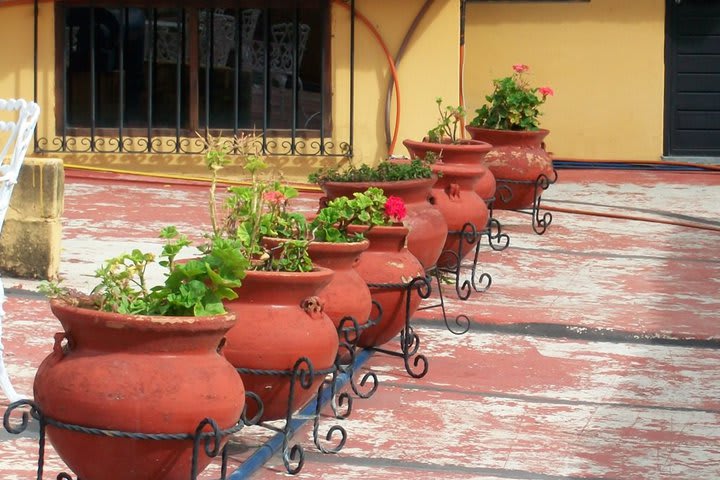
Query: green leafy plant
(385, 171)
(448, 128)
(257, 210)
(192, 288)
(371, 208)
(513, 104)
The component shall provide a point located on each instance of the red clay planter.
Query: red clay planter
(427, 226)
(516, 156)
(135, 373)
(388, 261)
(468, 152)
(280, 320)
(457, 199)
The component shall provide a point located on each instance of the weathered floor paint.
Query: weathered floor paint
(595, 353)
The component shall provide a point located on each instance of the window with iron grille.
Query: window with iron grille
(150, 79)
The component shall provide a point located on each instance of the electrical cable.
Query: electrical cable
(398, 58)
(630, 217)
(393, 71)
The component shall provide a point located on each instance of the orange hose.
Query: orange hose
(630, 217)
(393, 71)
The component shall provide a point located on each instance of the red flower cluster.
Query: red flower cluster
(274, 197)
(546, 91)
(520, 67)
(395, 208)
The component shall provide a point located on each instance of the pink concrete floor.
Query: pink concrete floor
(594, 354)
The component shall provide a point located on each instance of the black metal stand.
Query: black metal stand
(409, 339)
(303, 375)
(450, 272)
(540, 223)
(211, 440)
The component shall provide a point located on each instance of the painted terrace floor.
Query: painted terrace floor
(594, 354)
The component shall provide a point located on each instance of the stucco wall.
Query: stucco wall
(429, 69)
(603, 58)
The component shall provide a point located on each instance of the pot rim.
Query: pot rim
(380, 184)
(145, 322)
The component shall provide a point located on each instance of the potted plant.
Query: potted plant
(412, 182)
(384, 258)
(142, 359)
(510, 122)
(465, 186)
(444, 143)
(280, 317)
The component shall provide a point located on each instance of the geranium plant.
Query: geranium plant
(513, 104)
(257, 210)
(195, 287)
(371, 208)
(448, 128)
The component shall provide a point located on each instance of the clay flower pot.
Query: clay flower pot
(457, 199)
(135, 373)
(427, 226)
(347, 293)
(280, 320)
(388, 261)
(468, 152)
(517, 155)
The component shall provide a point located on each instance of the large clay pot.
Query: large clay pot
(467, 152)
(388, 261)
(135, 373)
(517, 155)
(346, 294)
(456, 198)
(427, 226)
(280, 320)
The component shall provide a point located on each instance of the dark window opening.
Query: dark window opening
(170, 69)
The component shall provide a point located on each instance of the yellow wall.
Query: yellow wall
(604, 59)
(428, 70)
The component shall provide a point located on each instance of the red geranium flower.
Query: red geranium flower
(274, 197)
(395, 208)
(520, 68)
(546, 91)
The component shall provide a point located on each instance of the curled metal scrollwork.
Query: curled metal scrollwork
(293, 457)
(259, 407)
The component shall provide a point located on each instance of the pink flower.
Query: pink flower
(395, 208)
(520, 68)
(274, 197)
(546, 91)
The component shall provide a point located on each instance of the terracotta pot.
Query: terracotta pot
(517, 155)
(280, 320)
(135, 373)
(468, 152)
(347, 293)
(388, 261)
(456, 198)
(427, 226)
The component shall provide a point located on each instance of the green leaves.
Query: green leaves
(513, 105)
(385, 171)
(449, 124)
(191, 288)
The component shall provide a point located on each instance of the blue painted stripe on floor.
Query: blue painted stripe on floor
(269, 448)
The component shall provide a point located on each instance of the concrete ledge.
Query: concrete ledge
(30, 240)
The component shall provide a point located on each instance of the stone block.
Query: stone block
(31, 234)
(30, 248)
(40, 189)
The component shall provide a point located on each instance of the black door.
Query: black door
(692, 63)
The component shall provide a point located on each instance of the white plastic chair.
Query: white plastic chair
(18, 134)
